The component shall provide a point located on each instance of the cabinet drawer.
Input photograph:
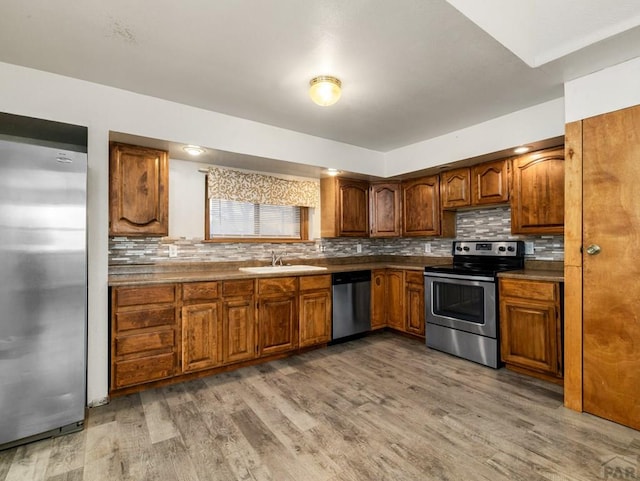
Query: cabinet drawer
(276, 286)
(200, 291)
(149, 341)
(533, 290)
(125, 321)
(137, 296)
(237, 288)
(414, 277)
(146, 369)
(308, 283)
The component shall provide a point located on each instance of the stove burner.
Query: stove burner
(483, 258)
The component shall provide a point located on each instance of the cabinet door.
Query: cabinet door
(421, 207)
(384, 210)
(378, 299)
(455, 188)
(353, 208)
(277, 322)
(138, 191)
(490, 183)
(315, 317)
(529, 333)
(537, 203)
(395, 299)
(201, 336)
(238, 329)
(414, 304)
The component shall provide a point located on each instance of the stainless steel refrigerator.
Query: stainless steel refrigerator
(43, 291)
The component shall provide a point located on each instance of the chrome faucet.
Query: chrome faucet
(276, 259)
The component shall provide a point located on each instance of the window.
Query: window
(230, 219)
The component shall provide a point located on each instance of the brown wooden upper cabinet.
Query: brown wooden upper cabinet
(490, 183)
(345, 207)
(537, 200)
(482, 184)
(138, 190)
(455, 188)
(421, 214)
(385, 209)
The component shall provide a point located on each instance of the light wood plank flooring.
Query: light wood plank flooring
(379, 408)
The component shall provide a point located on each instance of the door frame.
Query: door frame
(573, 267)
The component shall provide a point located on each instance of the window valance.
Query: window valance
(256, 188)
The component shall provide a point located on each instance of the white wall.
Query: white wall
(186, 199)
(613, 88)
(536, 123)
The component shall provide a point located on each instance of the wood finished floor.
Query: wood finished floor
(378, 408)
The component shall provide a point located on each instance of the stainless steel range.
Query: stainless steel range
(461, 300)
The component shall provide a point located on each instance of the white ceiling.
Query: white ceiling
(411, 69)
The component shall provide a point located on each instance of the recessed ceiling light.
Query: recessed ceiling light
(333, 172)
(193, 149)
(522, 149)
(325, 90)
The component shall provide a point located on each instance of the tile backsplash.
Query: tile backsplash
(483, 224)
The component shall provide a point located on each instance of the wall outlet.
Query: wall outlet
(358, 248)
(427, 248)
(173, 250)
(529, 248)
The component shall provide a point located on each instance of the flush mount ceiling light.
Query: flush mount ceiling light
(193, 149)
(522, 149)
(325, 90)
(332, 172)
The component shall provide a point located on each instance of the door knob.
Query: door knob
(593, 249)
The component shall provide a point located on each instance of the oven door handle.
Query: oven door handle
(459, 276)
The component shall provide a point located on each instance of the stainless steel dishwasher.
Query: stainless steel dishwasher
(351, 303)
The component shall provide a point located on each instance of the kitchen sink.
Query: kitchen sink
(278, 269)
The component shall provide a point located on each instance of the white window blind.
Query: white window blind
(230, 218)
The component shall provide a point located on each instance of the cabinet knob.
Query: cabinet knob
(593, 249)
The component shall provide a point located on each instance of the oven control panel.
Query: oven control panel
(488, 248)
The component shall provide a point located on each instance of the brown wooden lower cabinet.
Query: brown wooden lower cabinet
(378, 298)
(201, 326)
(145, 342)
(314, 317)
(277, 315)
(164, 331)
(238, 329)
(201, 336)
(414, 303)
(531, 327)
(395, 299)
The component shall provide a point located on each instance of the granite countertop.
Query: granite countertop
(131, 275)
(551, 275)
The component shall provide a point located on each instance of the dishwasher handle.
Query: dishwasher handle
(350, 277)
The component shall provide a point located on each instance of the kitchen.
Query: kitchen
(105, 109)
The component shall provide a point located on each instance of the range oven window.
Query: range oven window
(459, 301)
